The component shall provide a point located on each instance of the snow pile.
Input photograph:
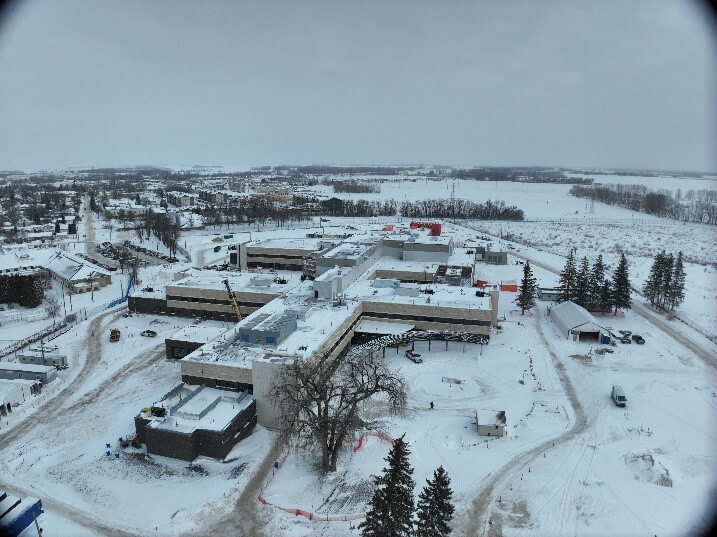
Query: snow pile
(647, 469)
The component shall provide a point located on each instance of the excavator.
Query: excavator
(233, 301)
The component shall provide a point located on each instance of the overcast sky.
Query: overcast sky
(601, 84)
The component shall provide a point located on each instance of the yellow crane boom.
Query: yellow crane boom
(233, 301)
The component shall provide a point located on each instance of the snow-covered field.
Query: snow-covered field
(640, 242)
(539, 201)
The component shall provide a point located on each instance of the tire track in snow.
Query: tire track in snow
(478, 512)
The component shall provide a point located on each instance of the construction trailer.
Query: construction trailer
(58, 361)
(16, 371)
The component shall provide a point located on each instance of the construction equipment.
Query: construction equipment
(114, 334)
(233, 301)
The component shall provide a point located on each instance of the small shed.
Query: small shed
(575, 322)
(491, 424)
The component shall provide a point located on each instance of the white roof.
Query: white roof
(32, 368)
(71, 267)
(571, 315)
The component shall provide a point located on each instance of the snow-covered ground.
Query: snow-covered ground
(61, 452)
(539, 201)
(572, 462)
(646, 469)
(640, 242)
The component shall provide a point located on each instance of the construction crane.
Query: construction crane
(233, 301)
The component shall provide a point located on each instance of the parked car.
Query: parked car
(638, 339)
(618, 395)
(414, 356)
(626, 333)
(625, 339)
(149, 333)
(217, 248)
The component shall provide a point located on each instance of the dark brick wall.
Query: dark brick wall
(202, 442)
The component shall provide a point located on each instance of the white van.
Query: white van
(618, 396)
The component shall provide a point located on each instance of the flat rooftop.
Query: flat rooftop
(348, 250)
(447, 296)
(30, 368)
(289, 243)
(203, 332)
(190, 408)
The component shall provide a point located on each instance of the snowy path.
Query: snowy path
(702, 353)
(48, 413)
(479, 512)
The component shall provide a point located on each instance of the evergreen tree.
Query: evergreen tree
(677, 293)
(93, 203)
(567, 280)
(597, 277)
(605, 301)
(435, 509)
(527, 291)
(582, 283)
(621, 285)
(391, 508)
(668, 263)
(57, 227)
(652, 284)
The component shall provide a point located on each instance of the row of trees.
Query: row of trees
(521, 175)
(165, 227)
(392, 511)
(356, 187)
(590, 288)
(698, 206)
(460, 208)
(665, 286)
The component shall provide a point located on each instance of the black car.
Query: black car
(625, 340)
(638, 339)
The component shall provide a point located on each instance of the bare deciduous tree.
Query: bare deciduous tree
(320, 401)
(52, 307)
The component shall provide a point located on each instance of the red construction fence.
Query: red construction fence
(326, 518)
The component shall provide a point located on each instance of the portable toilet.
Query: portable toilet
(605, 338)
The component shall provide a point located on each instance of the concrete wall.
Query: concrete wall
(491, 430)
(264, 374)
(214, 370)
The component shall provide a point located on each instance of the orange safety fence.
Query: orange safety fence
(314, 517)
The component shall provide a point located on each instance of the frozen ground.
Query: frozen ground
(639, 241)
(539, 201)
(60, 453)
(646, 469)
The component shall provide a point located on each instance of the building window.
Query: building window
(270, 339)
